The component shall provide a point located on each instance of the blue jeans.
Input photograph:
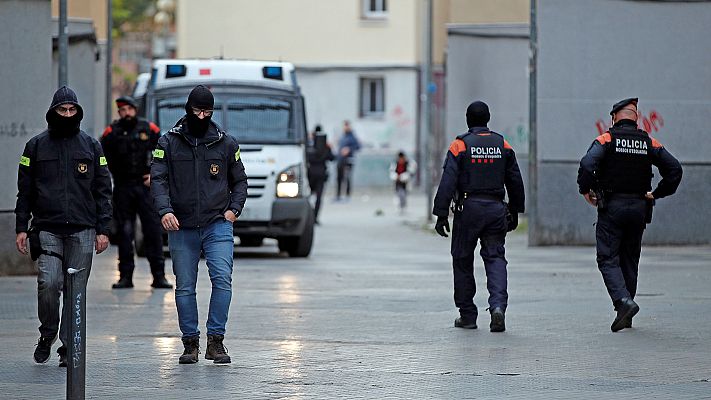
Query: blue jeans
(216, 241)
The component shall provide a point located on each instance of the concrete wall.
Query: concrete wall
(593, 53)
(25, 74)
(381, 138)
(489, 63)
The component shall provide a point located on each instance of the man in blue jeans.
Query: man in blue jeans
(199, 188)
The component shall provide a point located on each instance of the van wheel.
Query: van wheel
(299, 246)
(250, 241)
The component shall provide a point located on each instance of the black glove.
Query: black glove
(511, 221)
(441, 225)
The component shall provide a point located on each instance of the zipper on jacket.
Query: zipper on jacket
(67, 172)
(197, 183)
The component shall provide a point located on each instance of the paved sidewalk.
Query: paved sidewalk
(370, 315)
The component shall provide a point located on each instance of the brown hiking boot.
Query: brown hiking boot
(192, 349)
(216, 351)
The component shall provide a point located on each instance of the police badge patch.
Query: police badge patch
(214, 169)
(82, 168)
(143, 136)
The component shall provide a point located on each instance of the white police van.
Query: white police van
(260, 103)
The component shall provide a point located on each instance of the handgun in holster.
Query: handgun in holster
(601, 200)
(648, 211)
(36, 250)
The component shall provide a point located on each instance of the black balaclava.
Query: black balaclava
(200, 97)
(59, 125)
(478, 114)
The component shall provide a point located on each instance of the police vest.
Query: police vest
(131, 150)
(483, 164)
(627, 166)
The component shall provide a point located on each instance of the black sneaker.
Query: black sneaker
(62, 351)
(161, 283)
(626, 310)
(216, 350)
(192, 349)
(498, 320)
(464, 323)
(123, 283)
(44, 347)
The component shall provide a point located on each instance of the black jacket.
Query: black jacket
(590, 171)
(197, 179)
(459, 157)
(128, 149)
(63, 181)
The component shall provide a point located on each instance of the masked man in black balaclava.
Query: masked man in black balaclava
(64, 191)
(199, 188)
(128, 143)
(479, 170)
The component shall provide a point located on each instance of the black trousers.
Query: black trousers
(131, 200)
(344, 170)
(619, 242)
(481, 221)
(317, 184)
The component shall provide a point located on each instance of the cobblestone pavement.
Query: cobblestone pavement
(370, 315)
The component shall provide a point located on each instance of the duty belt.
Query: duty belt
(612, 195)
(482, 196)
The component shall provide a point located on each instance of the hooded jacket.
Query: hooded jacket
(197, 179)
(63, 181)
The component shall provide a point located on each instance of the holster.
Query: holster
(457, 203)
(601, 200)
(648, 211)
(35, 245)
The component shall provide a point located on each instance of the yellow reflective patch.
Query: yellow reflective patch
(25, 161)
(158, 153)
(237, 154)
(102, 161)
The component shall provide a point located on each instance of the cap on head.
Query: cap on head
(200, 97)
(64, 95)
(126, 101)
(477, 114)
(622, 104)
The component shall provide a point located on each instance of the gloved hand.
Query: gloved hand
(511, 221)
(441, 225)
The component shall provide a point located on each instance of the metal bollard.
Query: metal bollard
(75, 318)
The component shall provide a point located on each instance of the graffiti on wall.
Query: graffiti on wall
(13, 130)
(650, 123)
(398, 126)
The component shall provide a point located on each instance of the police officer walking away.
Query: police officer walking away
(616, 177)
(318, 155)
(199, 187)
(63, 186)
(128, 143)
(479, 170)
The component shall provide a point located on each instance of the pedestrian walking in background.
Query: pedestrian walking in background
(615, 175)
(64, 192)
(128, 144)
(480, 168)
(199, 187)
(348, 146)
(401, 170)
(318, 154)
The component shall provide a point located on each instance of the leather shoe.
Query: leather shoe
(498, 320)
(161, 283)
(464, 323)
(626, 310)
(123, 283)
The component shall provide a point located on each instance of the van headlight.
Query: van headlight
(289, 182)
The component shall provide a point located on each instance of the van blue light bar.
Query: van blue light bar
(273, 73)
(175, 70)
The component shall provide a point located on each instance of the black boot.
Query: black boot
(216, 351)
(62, 351)
(159, 282)
(465, 323)
(498, 320)
(123, 283)
(192, 349)
(44, 347)
(626, 310)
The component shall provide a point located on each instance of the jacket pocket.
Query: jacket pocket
(47, 167)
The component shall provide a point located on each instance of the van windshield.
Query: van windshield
(250, 118)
